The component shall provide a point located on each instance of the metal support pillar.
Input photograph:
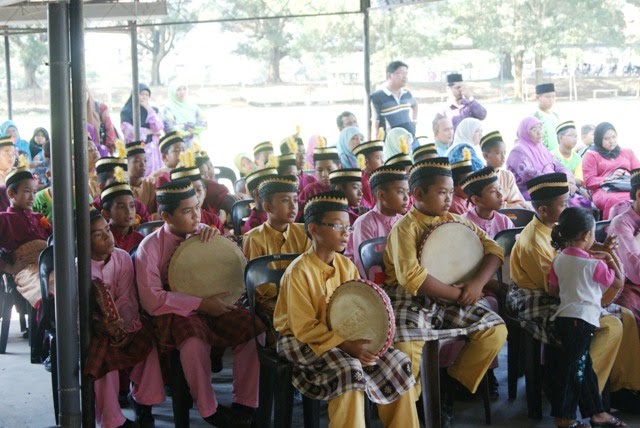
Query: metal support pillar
(83, 227)
(135, 99)
(63, 221)
(364, 7)
(7, 65)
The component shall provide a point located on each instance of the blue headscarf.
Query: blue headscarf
(456, 154)
(347, 158)
(21, 145)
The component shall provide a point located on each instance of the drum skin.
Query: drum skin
(203, 269)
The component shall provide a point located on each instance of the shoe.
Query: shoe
(225, 417)
(128, 423)
(245, 410)
(47, 363)
(144, 417)
(493, 385)
(612, 422)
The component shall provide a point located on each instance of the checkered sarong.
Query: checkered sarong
(534, 308)
(418, 321)
(335, 372)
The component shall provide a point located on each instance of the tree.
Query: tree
(537, 27)
(32, 52)
(160, 39)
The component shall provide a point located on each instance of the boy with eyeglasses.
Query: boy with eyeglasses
(326, 366)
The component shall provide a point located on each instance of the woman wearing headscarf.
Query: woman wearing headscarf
(604, 163)
(392, 142)
(244, 164)
(10, 129)
(38, 140)
(151, 126)
(350, 137)
(100, 127)
(467, 135)
(529, 158)
(181, 115)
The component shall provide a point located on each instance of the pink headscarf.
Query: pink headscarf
(311, 145)
(537, 152)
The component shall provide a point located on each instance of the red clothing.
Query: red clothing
(256, 218)
(311, 190)
(216, 193)
(141, 210)
(367, 196)
(4, 199)
(210, 219)
(17, 227)
(459, 205)
(163, 178)
(353, 215)
(126, 242)
(305, 179)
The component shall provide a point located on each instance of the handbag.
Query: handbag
(622, 184)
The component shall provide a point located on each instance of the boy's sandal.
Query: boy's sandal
(575, 424)
(612, 422)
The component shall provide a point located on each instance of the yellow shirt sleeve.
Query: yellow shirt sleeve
(401, 255)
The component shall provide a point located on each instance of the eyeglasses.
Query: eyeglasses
(338, 227)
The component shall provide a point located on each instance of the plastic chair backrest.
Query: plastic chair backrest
(506, 239)
(258, 272)
(601, 230)
(225, 173)
(519, 216)
(372, 254)
(45, 267)
(50, 240)
(148, 227)
(240, 210)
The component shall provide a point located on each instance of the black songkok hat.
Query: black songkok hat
(326, 153)
(427, 149)
(190, 172)
(254, 179)
(401, 160)
(463, 166)
(174, 191)
(288, 159)
(265, 146)
(324, 202)
(454, 78)
(109, 164)
(114, 190)
(368, 147)
(201, 158)
(428, 168)
(386, 174)
(635, 178)
(18, 174)
(473, 184)
(491, 137)
(341, 176)
(134, 148)
(6, 141)
(168, 140)
(565, 125)
(277, 184)
(548, 186)
(544, 88)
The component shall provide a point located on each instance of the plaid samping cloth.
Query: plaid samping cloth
(417, 322)
(335, 372)
(533, 308)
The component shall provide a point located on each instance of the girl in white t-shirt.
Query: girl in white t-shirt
(577, 277)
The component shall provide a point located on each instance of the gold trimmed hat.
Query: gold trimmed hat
(109, 164)
(635, 177)
(265, 146)
(402, 160)
(428, 168)
(491, 137)
(463, 166)
(426, 150)
(548, 186)
(386, 174)
(254, 179)
(323, 202)
(134, 148)
(113, 190)
(278, 184)
(288, 159)
(201, 158)
(6, 141)
(368, 147)
(188, 168)
(326, 153)
(565, 125)
(174, 191)
(473, 184)
(168, 140)
(21, 172)
(341, 176)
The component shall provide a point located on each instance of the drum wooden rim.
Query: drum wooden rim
(380, 343)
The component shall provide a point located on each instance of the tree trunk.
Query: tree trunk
(518, 87)
(31, 81)
(505, 66)
(539, 59)
(274, 65)
(155, 71)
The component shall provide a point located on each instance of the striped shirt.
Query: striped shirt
(393, 112)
